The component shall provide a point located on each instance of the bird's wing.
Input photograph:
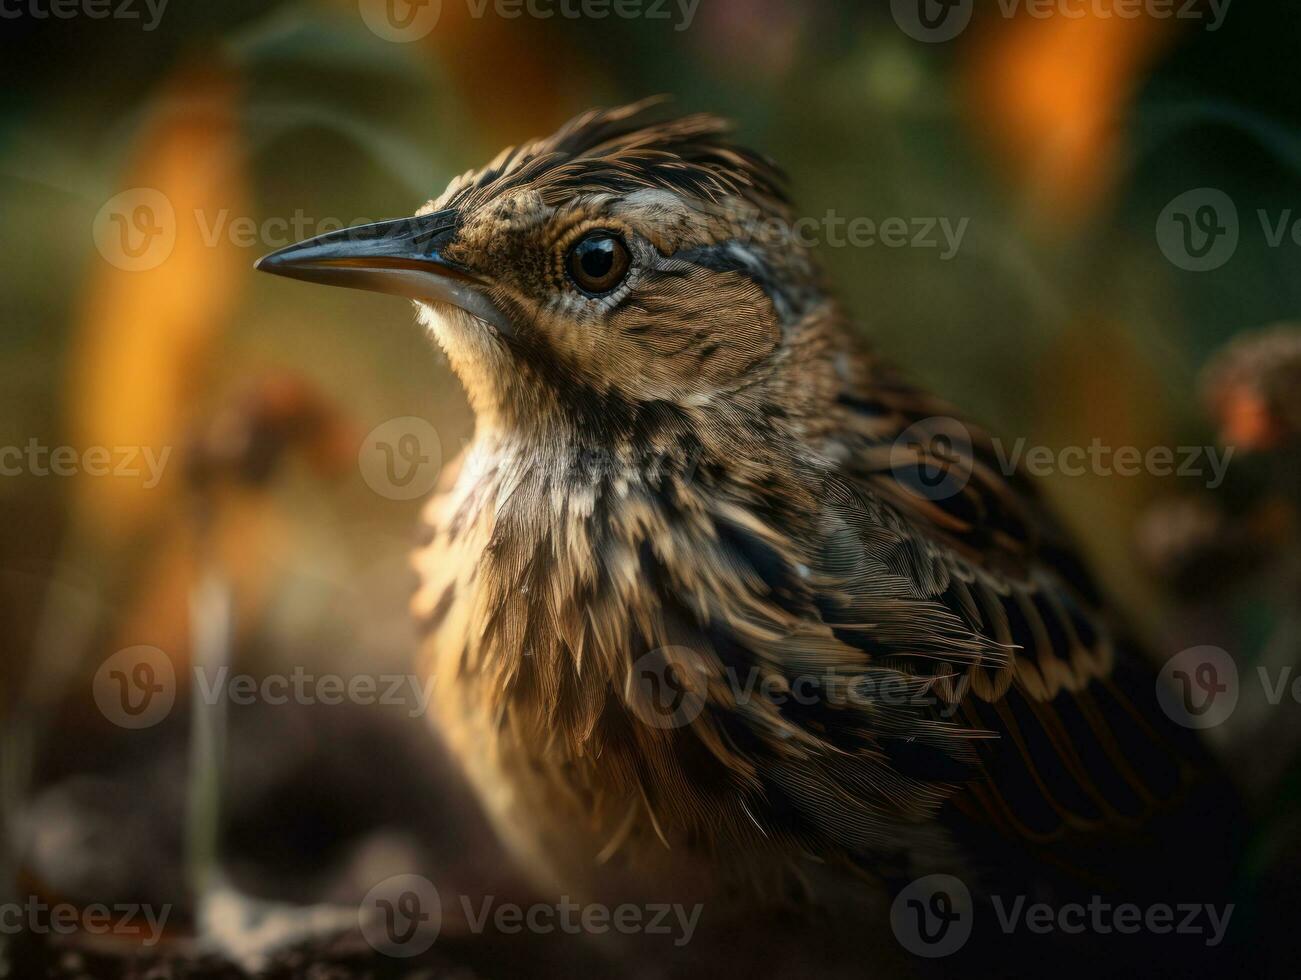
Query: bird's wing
(1014, 638)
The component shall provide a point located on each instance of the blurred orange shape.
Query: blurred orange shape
(161, 286)
(1246, 420)
(1049, 92)
(480, 46)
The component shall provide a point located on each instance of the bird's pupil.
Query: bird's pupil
(597, 257)
(598, 263)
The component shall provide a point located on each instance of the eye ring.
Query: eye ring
(598, 263)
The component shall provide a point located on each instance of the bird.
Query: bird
(1251, 388)
(715, 595)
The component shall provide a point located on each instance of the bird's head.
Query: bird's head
(619, 262)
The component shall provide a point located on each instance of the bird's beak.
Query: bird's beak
(403, 257)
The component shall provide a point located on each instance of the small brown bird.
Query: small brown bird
(714, 596)
(1253, 388)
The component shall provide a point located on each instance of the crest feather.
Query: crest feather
(626, 149)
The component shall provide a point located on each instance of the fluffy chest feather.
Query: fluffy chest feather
(537, 601)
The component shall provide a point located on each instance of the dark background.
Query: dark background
(1059, 320)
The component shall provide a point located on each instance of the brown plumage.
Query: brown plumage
(1253, 388)
(694, 481)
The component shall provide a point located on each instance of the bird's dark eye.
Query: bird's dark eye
(598, 263)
